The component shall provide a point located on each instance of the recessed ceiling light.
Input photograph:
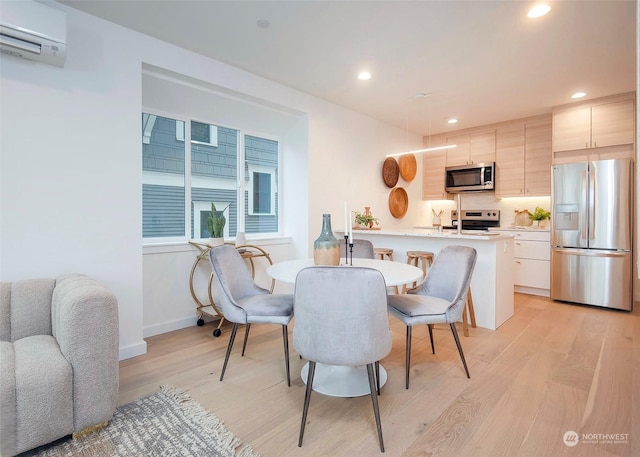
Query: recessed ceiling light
(364, 75)
(538, 10)
(453, 120)
(578, 95)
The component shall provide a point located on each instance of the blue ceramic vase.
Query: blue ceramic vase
(326, 249)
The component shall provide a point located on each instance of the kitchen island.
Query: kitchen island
(492, 280)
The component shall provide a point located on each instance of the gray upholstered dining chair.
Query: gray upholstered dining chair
(342, 319)
(362, 249)
(242, 301)
(439, 299)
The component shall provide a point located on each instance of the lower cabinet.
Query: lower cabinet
(531, 254)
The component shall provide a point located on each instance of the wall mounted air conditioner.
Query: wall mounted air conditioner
(33, 31)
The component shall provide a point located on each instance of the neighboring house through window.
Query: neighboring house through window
(176, 204)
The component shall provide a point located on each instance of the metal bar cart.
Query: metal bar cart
(210, 309)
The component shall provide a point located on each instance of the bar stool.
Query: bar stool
(468, 306)
(420, 257)
(379, 253)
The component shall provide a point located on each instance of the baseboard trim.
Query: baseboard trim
(165, 327)
(133, 350)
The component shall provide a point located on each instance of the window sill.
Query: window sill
(184, 246)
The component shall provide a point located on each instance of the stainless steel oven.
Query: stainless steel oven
(476, 219)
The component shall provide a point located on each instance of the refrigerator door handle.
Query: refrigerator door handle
(585, 215)
(592, 203)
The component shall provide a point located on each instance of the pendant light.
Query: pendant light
(428, 149)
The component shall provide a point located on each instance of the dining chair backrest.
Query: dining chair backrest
(341, 315)
(449, 277)
(362, 249)
(233, 281)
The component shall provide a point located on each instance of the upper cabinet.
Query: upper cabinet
(433, 165)
(595, 129)
(523, 157)
(537, 157)
(472, 148)
(510, 159)
(524, 149)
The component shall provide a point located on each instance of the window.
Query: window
(188, 164)
(204, 133)
(261, 193)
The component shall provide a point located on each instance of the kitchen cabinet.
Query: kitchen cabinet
(523, 157)
(433, 165)
(479, 147)
(598, 129)
(532, 264)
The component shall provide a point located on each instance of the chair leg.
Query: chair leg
(285, 338)
(433, 348)
(307, 397)
(378, 377)
(232, 337)
(246, 337)
(407, 362)
(376, 409)
(455, 337)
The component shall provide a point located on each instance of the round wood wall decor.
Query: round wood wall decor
(398, 202)
(390, 172)
(408, 167)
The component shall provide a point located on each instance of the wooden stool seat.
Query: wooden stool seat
(420, 257)
(381, 252)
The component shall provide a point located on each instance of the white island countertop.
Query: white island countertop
(492, 280)
(434, 233)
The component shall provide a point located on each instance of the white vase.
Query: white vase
(216, 241)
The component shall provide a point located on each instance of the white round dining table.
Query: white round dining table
(335, 380)
(394, 273)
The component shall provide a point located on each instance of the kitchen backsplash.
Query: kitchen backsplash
(484, 200)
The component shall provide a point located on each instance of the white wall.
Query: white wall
(70, 163)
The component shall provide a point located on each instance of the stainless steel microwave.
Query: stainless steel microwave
(476, 177)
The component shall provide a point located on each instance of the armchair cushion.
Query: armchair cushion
(59, 358)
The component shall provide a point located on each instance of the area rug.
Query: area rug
(167, 423)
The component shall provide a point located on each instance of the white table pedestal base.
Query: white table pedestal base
(340, 381)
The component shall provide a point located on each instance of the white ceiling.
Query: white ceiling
(480, 61)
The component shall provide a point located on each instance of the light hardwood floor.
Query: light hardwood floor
(550, 369)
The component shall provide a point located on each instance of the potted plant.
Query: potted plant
(366, 220)
(215, 226)
(539, 215)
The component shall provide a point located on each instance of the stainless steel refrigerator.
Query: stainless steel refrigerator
(592, 233)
